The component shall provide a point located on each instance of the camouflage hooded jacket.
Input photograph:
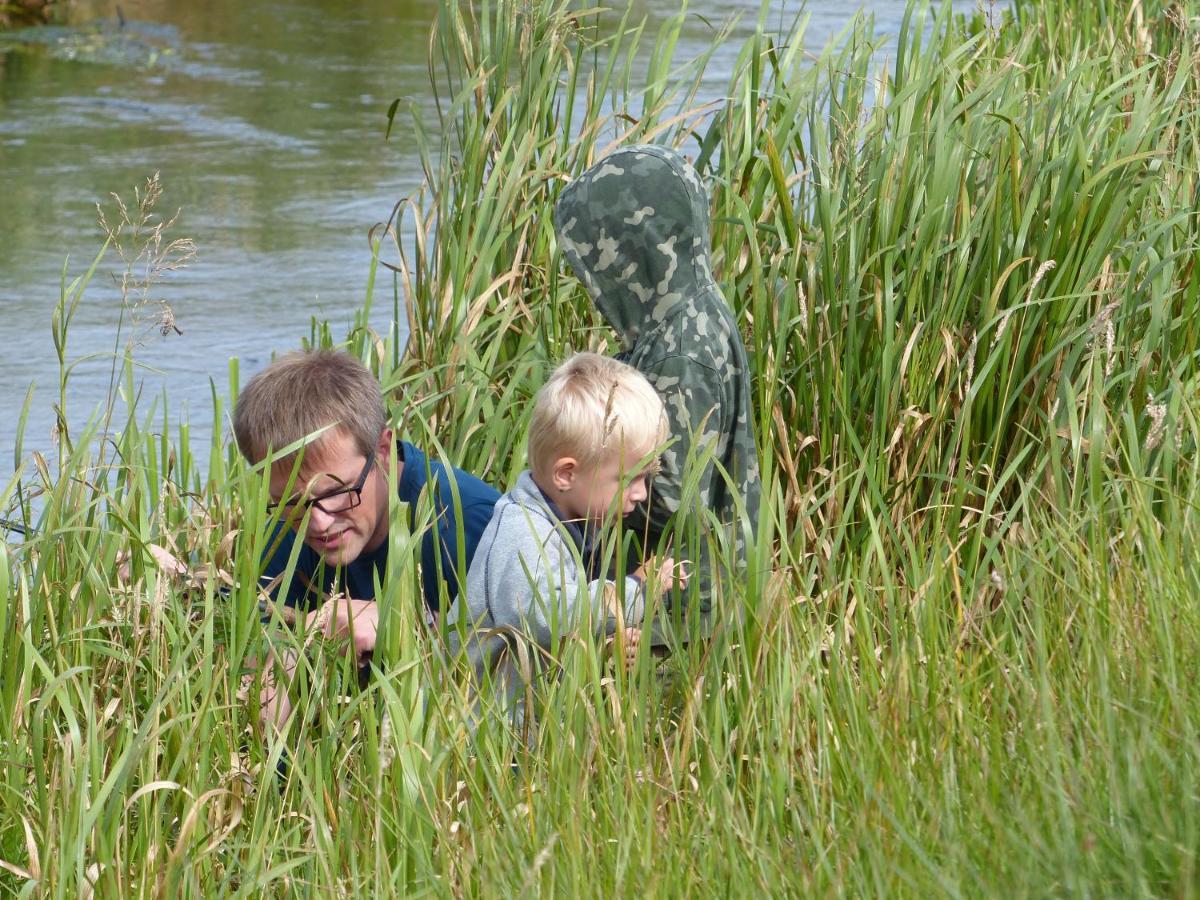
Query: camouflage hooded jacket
(635, 230)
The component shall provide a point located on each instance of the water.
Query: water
(266, 123)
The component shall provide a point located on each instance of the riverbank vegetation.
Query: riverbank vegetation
(964, 264)
(24, 12)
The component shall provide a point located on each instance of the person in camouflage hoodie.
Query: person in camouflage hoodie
(635, 230)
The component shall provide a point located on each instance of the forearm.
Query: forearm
(614, 611)
(274, 701)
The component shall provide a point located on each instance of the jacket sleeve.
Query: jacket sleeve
(541, 588)
(439, 548)
(694, 399)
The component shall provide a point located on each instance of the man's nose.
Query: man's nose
(318, 520)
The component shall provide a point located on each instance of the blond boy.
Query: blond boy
(594, 438)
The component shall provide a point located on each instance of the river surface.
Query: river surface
(266, 123)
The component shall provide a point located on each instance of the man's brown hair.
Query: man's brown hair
(301, 393)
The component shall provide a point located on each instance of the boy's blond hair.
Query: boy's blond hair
(590, 407)
(301, 393)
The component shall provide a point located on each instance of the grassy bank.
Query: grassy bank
(969, 640)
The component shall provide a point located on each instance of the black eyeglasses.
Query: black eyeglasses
(339, 500)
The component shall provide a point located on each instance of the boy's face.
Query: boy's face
(345, 495)
(600, 492)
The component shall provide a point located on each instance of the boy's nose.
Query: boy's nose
(637, 490)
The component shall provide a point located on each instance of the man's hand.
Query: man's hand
(665, 576)
(335, 618)
(343, 616)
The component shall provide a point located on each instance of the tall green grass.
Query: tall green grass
(965, 657)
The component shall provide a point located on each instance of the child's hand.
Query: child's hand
(623, 647)
(632, 638)
(669, 574)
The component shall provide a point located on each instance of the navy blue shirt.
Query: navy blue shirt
(314, 579)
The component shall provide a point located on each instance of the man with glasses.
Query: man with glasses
(337, 497)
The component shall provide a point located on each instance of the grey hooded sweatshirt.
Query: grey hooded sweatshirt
(527, 581)
(635, 230)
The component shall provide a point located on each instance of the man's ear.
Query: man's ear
(384, 447)
(563, 473)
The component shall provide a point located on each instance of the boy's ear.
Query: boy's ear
(563, 473)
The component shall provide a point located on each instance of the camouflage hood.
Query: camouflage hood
(634, 229)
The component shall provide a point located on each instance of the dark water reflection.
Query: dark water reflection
(266, 122)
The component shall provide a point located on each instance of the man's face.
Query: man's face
(615, 485)
(346, 520)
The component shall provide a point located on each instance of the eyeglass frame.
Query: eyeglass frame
(296, 508)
